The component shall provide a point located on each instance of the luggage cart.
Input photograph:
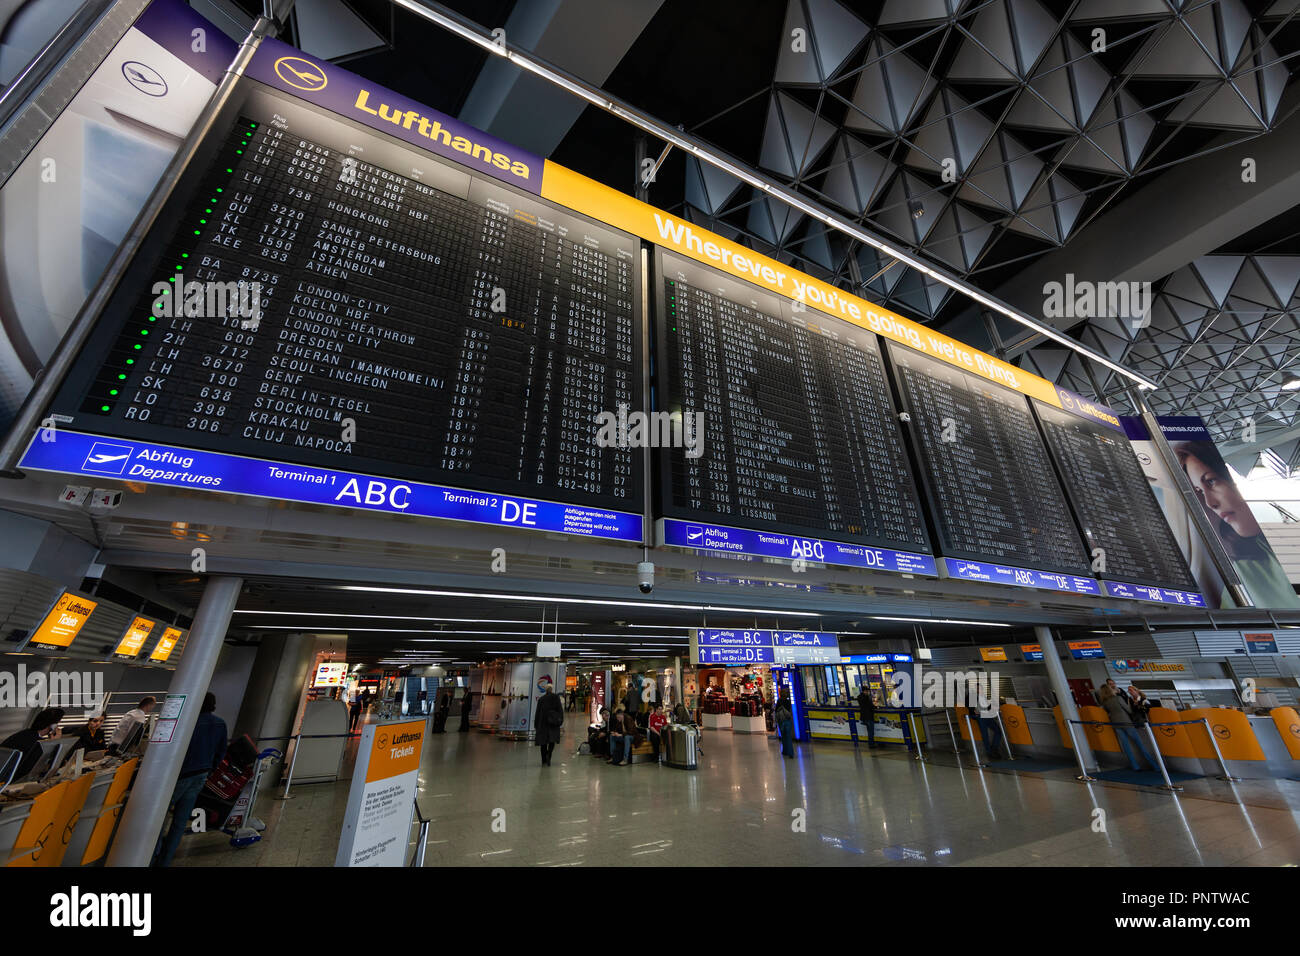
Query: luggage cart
(244, 828)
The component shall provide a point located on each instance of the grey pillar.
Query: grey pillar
(142, 820)
(274, 692)
(1056, 674)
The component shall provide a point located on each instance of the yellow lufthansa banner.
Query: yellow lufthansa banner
(993, 654)
(166, 644)
(134, 637)
(622, 211)
(64, 622)
(395, 750)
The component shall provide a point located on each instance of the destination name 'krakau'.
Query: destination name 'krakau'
(433, 130)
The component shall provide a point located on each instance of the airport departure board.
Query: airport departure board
(800, 432)
(990, 485)
(1113, 500)
(469, 333)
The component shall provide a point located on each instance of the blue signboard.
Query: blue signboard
(720, 539)
(77, 454)
(1019, 577)
(737, 655)
(713, 637)
(877, 659)
(1031, 655)
(806, 639)
(1142, 592)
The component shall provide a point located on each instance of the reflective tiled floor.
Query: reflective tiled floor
(747, 806)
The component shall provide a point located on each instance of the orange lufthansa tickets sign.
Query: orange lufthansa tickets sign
(166, 644)
(395, 750)
(993, 653)
(134, 638)
(64, 621)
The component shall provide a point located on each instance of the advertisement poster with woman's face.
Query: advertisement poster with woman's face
(1235, 524)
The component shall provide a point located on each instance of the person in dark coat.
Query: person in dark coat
(548, 722)
(867, 714)
(784, 715)
(464, 711)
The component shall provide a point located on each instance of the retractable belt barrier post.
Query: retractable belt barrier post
(956, 749)
(1006, 741)
(974, 748)
(1074, 745)
(417, 860)
(916, 737)
(1155, 748)
(1209, 731)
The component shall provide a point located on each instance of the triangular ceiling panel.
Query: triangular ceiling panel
(1218, 273)
(1282, 274)
(837, 32)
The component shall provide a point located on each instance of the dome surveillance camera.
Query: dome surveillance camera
(645, 576)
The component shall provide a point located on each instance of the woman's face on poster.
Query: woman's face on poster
(1220, 495)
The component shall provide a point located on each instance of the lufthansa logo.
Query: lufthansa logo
(301, 74)
(1067, 401)
(144, 78)
(1222, 731)
(382, 742)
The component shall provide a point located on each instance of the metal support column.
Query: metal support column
(142, 820)
(1056, 674)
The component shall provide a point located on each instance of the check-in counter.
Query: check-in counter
(13, 815)
(110, 812)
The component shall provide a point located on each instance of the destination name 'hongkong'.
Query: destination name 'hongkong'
(828, 299)
(433, 130)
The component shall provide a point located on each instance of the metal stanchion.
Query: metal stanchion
(1006, 741)
(295, 738)
(1074, 745)
(956, 749)
(1217, 753)
(973, 748)
(418, 859)
(1160, 760)
(916, 738)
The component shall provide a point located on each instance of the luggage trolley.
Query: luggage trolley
(244, 828)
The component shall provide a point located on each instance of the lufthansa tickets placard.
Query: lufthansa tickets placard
(381, 801)
(63, 622)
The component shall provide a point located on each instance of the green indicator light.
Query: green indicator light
(207, 210)
(103, 408)
(239, 152)
(184, 255)
(196, 232)
(178, 268)
(144, 331)
(203, 222)
(131, 361)
(138, 345)
(153, 318)
(220, 190)
(229, 170)
(171, 278)
(252, 126)
(120, 377)
(112, 391)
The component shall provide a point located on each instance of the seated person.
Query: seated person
(598, 734)
(90, 737)
(28, 740)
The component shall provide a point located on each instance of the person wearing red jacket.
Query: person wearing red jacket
(657, 723)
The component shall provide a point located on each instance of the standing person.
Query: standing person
(1139, 706)
(985, 710)
(207, 748)
(1115, 703)
(133, 720)
(656, 726)
(440, 715)
(867, 715)
(28, 740)
(465, 704)
(548, 722)
(621, 731)
(354, 713)
(632, 699)
(784, 715)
